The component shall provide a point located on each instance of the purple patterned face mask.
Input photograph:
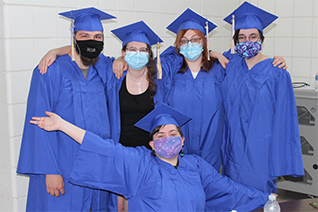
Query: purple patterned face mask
(248, 49)
(168, 147)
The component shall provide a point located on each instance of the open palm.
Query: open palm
(50, 123)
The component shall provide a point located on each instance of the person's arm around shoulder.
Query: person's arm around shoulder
(119, 66)
(280, 62)
(221, 58)
(50, 57)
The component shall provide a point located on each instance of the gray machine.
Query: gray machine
(307, 109)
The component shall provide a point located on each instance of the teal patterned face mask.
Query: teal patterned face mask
(248, 49)
(191, 51)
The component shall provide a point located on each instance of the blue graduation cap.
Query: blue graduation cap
(139, 32)
(248, 16)
(162, 115)
(87, 19)
(191, 20)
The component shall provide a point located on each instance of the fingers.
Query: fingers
(49, 63)
(54, 192)
(62, 191)
(43, 69)
(283, 65)
(275, 63)
(124, 68)
(49, 113)
(37, 119)
(40, 121)
(280, 64)
(43, 66)
(34, 122)
(43, 118)
(55, 185)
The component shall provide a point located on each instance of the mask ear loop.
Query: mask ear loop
(75, 44)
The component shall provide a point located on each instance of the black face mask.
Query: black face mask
(89, 48)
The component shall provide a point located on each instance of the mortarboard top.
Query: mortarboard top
(87, 19)
(248, 16)
(139, 32)
(162, 115)
(190, 20)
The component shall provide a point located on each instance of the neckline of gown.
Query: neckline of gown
(257, 64)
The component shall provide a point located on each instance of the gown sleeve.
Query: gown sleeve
(228, 54)
(104, 67)
(38, 153)
(286, 158)
(224, 194)
(120, 169)
(170, 63)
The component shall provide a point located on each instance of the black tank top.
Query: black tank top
(132, 109)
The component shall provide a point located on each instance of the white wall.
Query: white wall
(28, 28)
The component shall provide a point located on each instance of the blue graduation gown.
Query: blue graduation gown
(261, 138)
(151, 184)
(62, 90)
(199, 98)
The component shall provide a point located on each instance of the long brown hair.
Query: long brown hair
(206, 64)
(152, 72)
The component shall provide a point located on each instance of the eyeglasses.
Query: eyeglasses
(185, 41)
(134, 49)
(251, 37)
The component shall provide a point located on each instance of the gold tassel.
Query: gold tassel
(207, 38)
(233, 32)
(72, 40)
(159, 68)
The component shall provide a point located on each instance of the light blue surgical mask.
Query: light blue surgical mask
(191, 51)
(137, 60)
